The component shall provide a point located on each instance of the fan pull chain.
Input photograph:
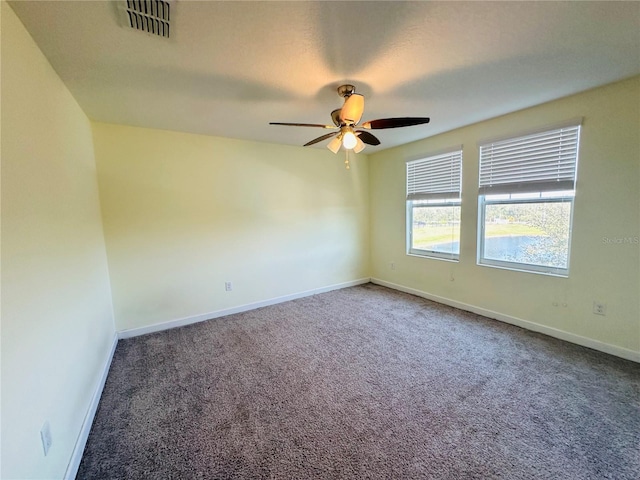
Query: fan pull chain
(346, 160)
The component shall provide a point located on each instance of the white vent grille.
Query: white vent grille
(150, 16)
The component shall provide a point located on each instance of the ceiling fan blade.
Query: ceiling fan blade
(319, 139)
(352, 109)
(395, 122)
(367, 137)
(302, 125)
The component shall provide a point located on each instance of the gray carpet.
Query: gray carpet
(364, 382)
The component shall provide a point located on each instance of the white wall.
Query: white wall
(184, 213)
(606, 207)
(57, 320)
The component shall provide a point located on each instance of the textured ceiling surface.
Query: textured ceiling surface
(230, 68)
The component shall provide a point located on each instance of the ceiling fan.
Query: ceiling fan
(346, 121)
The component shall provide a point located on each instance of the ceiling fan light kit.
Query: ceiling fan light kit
(347, 118)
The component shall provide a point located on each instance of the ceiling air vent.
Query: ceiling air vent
(150, 16)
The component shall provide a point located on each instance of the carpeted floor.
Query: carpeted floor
(359, 383)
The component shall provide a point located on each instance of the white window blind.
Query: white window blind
(539, 162)
(437, 176)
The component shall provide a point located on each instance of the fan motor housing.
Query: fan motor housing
(346, 90)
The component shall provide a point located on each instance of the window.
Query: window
(527, 187)
(433, 205)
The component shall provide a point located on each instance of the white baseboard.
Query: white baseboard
(536, 327)
(76, 456)
(158, 327)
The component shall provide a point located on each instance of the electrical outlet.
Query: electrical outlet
(228, 286)
(45, 436)
(599, 308)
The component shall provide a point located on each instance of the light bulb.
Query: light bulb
(349, 140)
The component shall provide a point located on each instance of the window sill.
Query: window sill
(433, 257)
(524, 270)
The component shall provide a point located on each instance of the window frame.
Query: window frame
(521, 266)
(546, 194)
(435, 198)
(420, 252)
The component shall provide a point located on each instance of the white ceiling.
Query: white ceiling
(232, 67)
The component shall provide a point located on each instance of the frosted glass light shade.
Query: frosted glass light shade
(334, 145)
